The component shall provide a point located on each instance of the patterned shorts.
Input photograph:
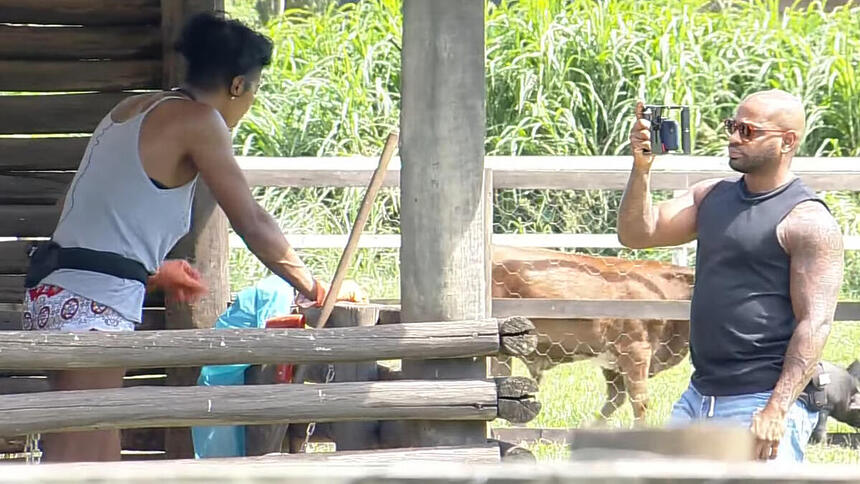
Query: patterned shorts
(52, 308)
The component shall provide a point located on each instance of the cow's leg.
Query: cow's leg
(616, 393)
(634, 361)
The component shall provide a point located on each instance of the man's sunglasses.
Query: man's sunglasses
(746, 130)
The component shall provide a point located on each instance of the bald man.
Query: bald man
(768, 271)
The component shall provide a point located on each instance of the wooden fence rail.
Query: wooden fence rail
(542, 172)
(508, 398)
(28, 350)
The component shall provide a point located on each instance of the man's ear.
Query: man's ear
(789, 141)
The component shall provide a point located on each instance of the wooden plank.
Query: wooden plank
(537, 172)
(669, 172)
(356, 435)
(659, 470)
(563, 436)
(46, 76)
(153, 319)
(29, 350)
(27, 221)
(13, 256)
(73, 43)
(619, 308)
(63, 113)
(255, 404)
(42, 153)
(442, 191)
(33, 188)
(11, 289)
(567, 241)
(78, 12)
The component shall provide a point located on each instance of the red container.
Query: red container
(284, 371)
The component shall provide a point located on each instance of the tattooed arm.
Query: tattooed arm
(813, 241)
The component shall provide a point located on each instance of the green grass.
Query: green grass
(572, 393)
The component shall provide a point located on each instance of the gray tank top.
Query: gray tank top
(112, 205)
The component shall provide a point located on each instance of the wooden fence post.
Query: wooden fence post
(206, 245)
(443, 257)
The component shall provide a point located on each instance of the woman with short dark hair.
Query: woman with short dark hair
(130, 202)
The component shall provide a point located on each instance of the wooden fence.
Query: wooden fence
(549, 172)
(357, 401)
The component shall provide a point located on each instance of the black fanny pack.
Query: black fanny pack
(47, 257)
(814, 396)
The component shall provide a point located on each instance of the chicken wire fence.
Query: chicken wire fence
(588, 369)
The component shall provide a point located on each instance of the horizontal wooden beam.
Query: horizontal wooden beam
(13, 255)
(47, 76)
(11, 288)
(563, 436)
(33, 188)
(246, 405)
(75, 43)
(392, 241)
(620, 309)
(607, 308)
(42, 153)
(78, 12)
(488, 453)
(549, 172)
(27, 350)
(27, 221)
(659, 470)
(60, 113)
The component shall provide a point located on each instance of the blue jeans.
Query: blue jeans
(739, 409)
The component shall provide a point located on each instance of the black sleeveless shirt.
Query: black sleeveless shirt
(741, 317)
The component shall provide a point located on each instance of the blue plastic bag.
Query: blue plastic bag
(253, 306)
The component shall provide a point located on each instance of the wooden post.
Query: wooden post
(499, 365)
(443, 271)
(352, 435)
(206, 246)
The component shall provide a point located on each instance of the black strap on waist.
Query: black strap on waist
(49, 256)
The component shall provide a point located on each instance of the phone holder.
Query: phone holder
(664, 131)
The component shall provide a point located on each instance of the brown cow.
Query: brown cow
(628, 350)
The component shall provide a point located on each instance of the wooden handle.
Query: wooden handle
(363, 212)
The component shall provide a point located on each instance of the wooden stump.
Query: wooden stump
(352, 435)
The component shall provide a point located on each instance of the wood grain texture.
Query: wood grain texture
(255, 404)
(542, 172)
(180, 348)
(33, 188)
(42, 153)
(442, 252)
(388, 471)
(48, 76)
(27, 221)
(13, 256)
(62, 113)
(80, 12)
(75, 43)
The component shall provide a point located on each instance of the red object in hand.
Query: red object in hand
(284, 371)
(179, 280)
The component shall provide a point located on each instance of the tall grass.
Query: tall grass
(562, 77)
